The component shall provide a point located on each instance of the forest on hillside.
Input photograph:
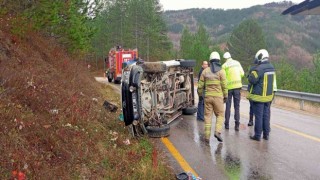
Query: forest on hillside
(92, 27)
(293, 38)
(292, 41)
(89, 28)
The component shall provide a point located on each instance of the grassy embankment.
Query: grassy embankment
(52, 122)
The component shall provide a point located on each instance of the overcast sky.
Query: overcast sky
(221, 4)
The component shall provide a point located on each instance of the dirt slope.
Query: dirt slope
(52, 123)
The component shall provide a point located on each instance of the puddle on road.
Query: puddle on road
(227, 159)
(255, 174)
(231, 165)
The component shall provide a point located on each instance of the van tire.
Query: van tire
(157, 132)
(154, 67)
(189, 110)
(188, 63)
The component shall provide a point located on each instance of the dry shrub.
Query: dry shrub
(299, 56)
(310, 107)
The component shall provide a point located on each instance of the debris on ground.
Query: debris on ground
(187, 176)
(54, 111)
(126, 142)
(110, 106)
(121, 117)
(114, 135)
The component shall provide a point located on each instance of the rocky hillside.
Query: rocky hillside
(294, 38)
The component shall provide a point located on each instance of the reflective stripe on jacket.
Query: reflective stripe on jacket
(214, 83)
(263, 83)
(234, 73)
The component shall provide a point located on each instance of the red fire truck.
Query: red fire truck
(116, 57)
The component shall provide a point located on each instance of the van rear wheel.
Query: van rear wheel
(158, 131)
(189, 110)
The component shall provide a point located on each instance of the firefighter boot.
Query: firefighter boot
(254, 138)
(218, 136)
(236, 127)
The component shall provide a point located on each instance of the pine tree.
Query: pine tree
(195, 46)
(68, 21)
(285, 75)
(126, 23)
(245, 41)
(201, 50)
(186, 44)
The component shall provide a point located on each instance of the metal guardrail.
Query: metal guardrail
(302, 96)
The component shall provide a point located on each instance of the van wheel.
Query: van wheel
(158, 131)
(188, 63)
(154, 67)
(117, 80)
(189, 110)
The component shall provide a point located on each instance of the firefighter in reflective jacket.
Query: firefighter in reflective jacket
(234, 73)
(213, 82)
(263, 85)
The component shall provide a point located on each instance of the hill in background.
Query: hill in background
(293, 38)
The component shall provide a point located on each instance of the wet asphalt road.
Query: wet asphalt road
(292, 152)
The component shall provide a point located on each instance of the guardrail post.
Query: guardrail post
(301, 104)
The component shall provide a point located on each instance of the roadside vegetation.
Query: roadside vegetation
(52, 120)
(304, 80)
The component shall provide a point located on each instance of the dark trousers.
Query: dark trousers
(200, 113)
(251, 108)
(235, 93)
(262, 118)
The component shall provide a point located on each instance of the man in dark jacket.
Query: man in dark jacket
(263, 85)
(200, 113)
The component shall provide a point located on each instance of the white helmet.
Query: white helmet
(227, 55)
(262, 55)
(214, 55)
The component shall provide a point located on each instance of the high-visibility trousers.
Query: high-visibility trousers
(213, 105)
